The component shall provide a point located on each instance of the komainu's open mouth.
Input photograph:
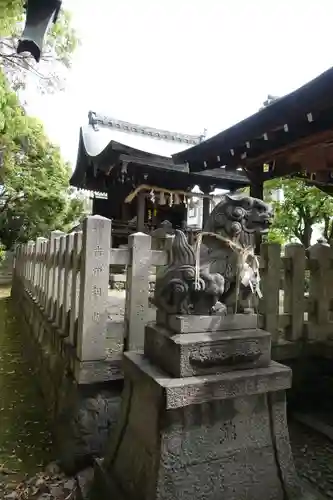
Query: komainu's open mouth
(266, 222)
(260, 225)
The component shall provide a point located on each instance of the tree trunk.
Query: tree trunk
(306, 235)
(329, 236)
(327, 232)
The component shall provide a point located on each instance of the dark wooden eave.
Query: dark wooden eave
(281, 135)
(111, 155)
(99, 172)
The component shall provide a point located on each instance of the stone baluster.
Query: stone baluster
(137, 290)
(69, 242)
(75, 287)
(94, 281)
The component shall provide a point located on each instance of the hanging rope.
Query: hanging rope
(146, 187)
(244, 272)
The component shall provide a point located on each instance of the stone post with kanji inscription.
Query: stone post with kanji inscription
(94, 279)
(136, 306)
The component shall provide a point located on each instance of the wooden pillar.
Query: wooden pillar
(205, 204)
(141, 211)
(185, 215)
(205, 210)
(125, 212)
(154, 217)
(94, 208)
(257, 191)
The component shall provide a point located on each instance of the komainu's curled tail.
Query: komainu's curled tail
(182, 252)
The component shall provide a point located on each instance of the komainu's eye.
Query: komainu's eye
(247, 203)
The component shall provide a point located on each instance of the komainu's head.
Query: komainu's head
(239, 214)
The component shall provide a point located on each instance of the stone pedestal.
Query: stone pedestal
(203, 417)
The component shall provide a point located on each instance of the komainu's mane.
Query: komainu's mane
(218, 221)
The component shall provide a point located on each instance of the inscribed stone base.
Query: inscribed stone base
(200, 438)
(189, 354)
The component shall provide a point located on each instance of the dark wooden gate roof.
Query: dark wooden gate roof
(293, 134)
(106, 145)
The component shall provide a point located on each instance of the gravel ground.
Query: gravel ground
(313, 456)
(25, 438)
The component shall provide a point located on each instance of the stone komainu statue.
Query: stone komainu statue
(221, 272)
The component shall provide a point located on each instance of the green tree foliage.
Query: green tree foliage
(11, 11)
(59, 46)
(302, 207)
(34, 180)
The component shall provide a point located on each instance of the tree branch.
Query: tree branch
(319, 209)
(6, 204)
(23, 64)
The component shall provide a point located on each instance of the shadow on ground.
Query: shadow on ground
(25, 439)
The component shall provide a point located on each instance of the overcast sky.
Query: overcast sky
(185, 65)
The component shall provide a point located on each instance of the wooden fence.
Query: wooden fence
(67, 276)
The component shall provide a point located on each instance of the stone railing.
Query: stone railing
(67, 276)
(297, 296)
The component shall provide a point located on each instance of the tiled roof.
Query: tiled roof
(102, 130)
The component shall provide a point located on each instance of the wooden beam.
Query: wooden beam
(141, 200)
(273, 143)
(296, 147)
